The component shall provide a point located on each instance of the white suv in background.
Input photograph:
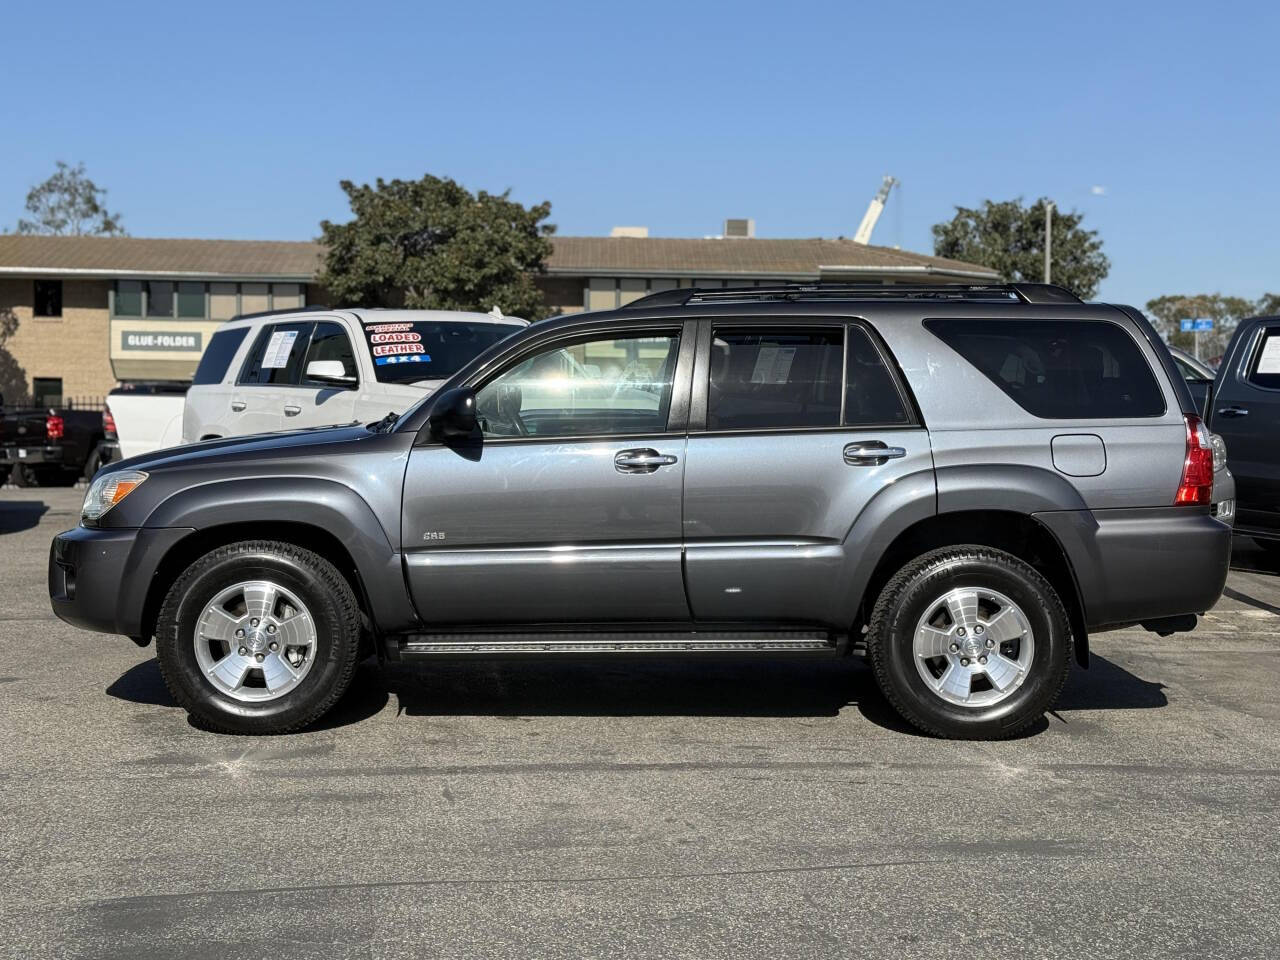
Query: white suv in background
(312, 368)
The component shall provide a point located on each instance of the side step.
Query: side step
(775, 642)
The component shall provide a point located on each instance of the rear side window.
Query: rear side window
(276, 357)
(871, 396)
(765, 378)
(218, 355)
(1265, 369)
(1059, 369)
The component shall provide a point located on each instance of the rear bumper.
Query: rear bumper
(99, 579)
(1143, 565)
(44, 453)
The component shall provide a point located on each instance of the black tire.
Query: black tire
(315, 581)
(907, 597)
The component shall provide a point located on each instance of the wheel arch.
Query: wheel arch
(1015, 533)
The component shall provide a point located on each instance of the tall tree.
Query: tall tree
(1168, 312)
(1009, 238)
(70, 203)
(1268, 305)
(431, 243)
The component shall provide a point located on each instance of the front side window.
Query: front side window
(329, 342)
(608, 386)
(1265, 370)
(406, 352)
(48, 299)
(276, 357)
(1059, 369)
(774, 378)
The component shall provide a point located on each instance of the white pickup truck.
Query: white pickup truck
(145, 416)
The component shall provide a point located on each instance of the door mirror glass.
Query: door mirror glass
(329, 371)
(453, 414)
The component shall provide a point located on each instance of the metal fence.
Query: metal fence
(54, 403)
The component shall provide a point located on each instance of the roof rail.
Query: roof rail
(990, 293)
(275, 313)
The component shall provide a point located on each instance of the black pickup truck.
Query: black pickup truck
(1244, 409)
(47, 445)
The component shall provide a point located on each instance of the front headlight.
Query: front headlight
(106, 491)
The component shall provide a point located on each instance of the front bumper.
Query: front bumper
(1145, 564)
(100, 579)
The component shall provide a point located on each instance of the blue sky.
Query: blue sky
(238, 120)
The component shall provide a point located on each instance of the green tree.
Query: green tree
(431, 243)
(1168, 312)
(1268, 305)
(70, 203)
(1009, 237)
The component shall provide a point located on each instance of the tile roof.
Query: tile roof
(150, 256)
(601, 256)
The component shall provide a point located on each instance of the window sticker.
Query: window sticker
(388, 349)
(1269, 362)
(406, 358)
(773, 364)
(278, 348)
(388, 327)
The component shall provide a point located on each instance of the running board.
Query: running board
(433, 645)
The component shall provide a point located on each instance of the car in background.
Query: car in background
(1244, 409)
(320, 367)
(46, 444)
(142, 417)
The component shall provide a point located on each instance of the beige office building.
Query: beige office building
(79, 314)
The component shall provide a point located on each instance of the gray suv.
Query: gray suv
(961, 482)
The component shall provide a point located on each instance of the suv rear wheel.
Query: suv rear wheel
(970, 642)
(258, 637)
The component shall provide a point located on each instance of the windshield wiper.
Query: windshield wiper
(385, 424)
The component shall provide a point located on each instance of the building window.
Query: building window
(128, 300)
(47, 391)
(159, 298)
(48, 299)
(191, 301)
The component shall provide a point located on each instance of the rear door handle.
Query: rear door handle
(1233, 412)
(237, 405)
(644, 460)
(292, 409)
(871, 453)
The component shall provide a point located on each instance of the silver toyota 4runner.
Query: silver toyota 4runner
(963, 482)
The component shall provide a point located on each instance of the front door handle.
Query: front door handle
(237, 405)
(1233, 412)
(292, 409)
(871, 453)
(644, 460)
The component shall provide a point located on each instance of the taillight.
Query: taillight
(53, 427)
(108, 422)
(1196, 485)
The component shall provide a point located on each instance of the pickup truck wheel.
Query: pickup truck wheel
(258, 637)
(969, 642)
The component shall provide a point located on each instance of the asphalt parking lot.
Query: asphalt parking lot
(657, 810)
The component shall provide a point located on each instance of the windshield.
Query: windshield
(407, 352)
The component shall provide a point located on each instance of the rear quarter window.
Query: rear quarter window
(218, 356)
(1059, 369)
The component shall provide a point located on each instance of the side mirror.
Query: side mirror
(453, 414)
(330, 371)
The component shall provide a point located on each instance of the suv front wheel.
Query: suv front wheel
(258, 637)
(970, 642)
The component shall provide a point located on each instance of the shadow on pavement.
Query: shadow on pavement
(19, 515)
(672, 688)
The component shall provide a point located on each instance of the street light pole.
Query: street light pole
(1048, 239)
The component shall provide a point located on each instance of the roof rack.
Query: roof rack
(989, 293)
(275, 313)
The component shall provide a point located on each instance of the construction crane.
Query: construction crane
(874, 209)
